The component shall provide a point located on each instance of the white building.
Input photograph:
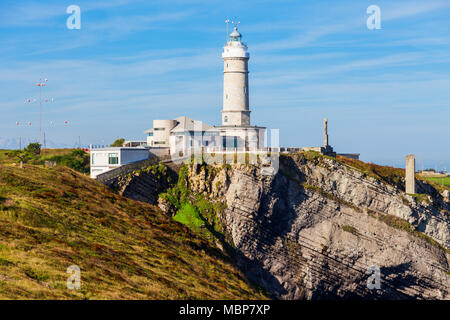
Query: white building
(183, 133)
(179, 135)
(105, 159)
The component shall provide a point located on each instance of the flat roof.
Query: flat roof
(140, 148)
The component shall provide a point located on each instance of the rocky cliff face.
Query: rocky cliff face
(318, 229)
(145, 184)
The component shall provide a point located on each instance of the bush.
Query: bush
(118, 143)
(36, 275)
(24, 156)
(77, 160)
(350, 229)
(33, 148)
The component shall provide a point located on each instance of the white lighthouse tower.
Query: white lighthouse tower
(236, 129)
(235, 56)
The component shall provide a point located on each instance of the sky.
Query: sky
(385, 92)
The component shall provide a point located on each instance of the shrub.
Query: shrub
(33, 148)
(77, 160)
(36, 275)
(5, 262)
(118, 143)
(350, 229)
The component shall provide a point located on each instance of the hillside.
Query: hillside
(51, 218)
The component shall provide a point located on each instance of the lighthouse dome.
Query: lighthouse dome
(235, 33)
(235, 48)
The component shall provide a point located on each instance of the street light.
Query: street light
(42, 83)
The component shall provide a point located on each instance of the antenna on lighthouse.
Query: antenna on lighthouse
(227, 22)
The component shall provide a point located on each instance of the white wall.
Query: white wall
(125, 156)
(182, 143)
(161, 132)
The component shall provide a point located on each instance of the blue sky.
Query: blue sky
(386, 93)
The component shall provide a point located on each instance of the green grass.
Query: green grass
(331, 196)
(5, 262)
(420, 197)
(51, 218)
(402, 224)
(73, 158)
(443, 181)
(196, 211)
(389, 175)
(76, 159)
(37, 275)
(350, 229)
(189, 216)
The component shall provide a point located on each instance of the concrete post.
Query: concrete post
(410, 168)
(325, 132)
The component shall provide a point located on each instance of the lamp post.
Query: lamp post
(42, 83)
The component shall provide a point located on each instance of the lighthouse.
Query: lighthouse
(183, 134)
(235, 111)
(236, 130)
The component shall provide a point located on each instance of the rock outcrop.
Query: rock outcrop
(145, 184)
(319, 229)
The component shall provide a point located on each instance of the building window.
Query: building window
(226, 96)
(225, 119)
(113, 158)
(150, 134)
(159, 129)
(92, 158)
(206, 143)
(245, 90)
(159, 142)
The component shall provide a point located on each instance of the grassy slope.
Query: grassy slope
(46, 153)
(391, 175)
(51, 218)
(442, 181)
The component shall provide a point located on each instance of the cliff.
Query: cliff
(314, 230)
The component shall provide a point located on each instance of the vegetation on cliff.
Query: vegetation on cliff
(195, 210)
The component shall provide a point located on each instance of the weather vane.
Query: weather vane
(227, 22)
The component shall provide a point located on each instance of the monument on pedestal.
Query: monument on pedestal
(326, 148)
